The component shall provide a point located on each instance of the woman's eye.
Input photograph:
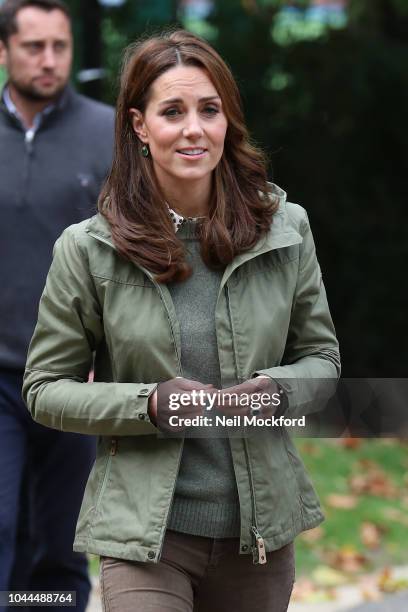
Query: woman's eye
(211, 110)
(171, 112)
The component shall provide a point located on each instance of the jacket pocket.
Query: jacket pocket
(110, 451)
(307, 494)
(290, 457)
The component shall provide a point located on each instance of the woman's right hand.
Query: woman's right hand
(163, 401)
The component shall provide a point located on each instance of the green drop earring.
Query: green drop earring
(145, 150)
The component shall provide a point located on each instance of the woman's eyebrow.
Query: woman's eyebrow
(178, 100)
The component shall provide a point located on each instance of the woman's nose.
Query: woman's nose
(192, 127)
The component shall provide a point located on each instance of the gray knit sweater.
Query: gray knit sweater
(206, 497)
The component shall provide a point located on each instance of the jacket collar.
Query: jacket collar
(281, 234)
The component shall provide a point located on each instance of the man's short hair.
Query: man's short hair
(10, 8)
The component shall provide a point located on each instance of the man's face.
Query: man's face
(38, 56)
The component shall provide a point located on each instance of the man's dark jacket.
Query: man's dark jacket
(45, 186)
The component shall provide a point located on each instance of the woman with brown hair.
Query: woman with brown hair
(195, 280)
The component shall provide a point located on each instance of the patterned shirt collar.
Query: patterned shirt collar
(179, 220)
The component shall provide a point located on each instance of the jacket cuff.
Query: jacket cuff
(286, 389)
(142, 407)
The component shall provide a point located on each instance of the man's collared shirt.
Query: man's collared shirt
(12, 109)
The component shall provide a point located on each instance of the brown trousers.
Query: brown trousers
(197, 574)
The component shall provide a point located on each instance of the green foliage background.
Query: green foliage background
(329, 106)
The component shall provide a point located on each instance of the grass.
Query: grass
(331, 467)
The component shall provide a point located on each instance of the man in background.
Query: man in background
(55, 151)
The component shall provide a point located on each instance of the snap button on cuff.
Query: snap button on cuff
(244, 548)
(151, 554)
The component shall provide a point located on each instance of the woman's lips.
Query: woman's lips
(192, 152)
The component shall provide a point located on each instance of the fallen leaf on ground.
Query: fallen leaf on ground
(325, 576)
(370, 535)
(347, 559)
(346, 502)
(367, 463)
(370, 594)
(369, 589)
(374, 481)
(304, 590)
(388, 584)
(397, 515)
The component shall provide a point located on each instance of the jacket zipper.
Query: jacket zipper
(258, 547)
(156, 284)
(171, 501)
(29, 149)
(258, 552)
(113, 447)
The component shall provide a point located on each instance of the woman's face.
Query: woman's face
(184, 126)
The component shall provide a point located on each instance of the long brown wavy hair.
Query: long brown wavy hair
(241, 209)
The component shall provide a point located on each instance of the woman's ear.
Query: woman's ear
(138, 124)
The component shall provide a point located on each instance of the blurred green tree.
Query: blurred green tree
(102, 32)
(328, 103)
(331, 112)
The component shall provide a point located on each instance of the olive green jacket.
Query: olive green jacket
(271, 318)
